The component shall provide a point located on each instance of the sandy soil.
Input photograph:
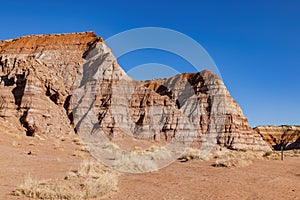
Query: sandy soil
(54, 157)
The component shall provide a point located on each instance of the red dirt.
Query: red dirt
(265, 179)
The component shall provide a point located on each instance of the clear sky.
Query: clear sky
(255, 44)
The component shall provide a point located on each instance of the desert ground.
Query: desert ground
(53, 157)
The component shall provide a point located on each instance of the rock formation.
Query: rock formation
(215, 107)
(37, 75)
(278, 135)
(42, 75)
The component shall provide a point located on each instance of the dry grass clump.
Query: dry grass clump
(189, 154)
(77, 141)
(135, 162)
(292, 153)
(272, 155)
(276, 155)
(81, 152)
(139, 160)
(95, 180)
(237, 158)
(224, 157)
(193, 153)
(43, 189)
(91, 180)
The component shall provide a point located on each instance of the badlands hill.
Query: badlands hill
(39, 74)
(275, 135)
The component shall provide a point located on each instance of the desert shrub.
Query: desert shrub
(141, 160)
(135, 162)
(189, 154)
(91, 180)
(237, 159)
(138, 160)
(271, 155)
(77, 141)
(43, 189)
(267, 154)
(193, 153)
(292, 153)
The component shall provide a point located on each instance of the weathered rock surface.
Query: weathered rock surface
(211, 109)
(187, 106)
(38, 74)
(276, 135)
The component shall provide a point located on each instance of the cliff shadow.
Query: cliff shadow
(18, 91)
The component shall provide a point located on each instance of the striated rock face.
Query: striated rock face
(213, 112)
(184, 107)
(276, 135)
(41, 76)
(37, 74)
(108, 102)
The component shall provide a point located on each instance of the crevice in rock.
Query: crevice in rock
(209, 106)
(7, 81)
(69, 112)
(141, 119)
(53, 96)
(29, 130)
(177, 104)
(14, 64)
(164, 91)
(2, 64)
(91, 45)
(18, 91)
(106, 101)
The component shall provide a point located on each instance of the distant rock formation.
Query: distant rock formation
(276, 135)
(39, 74)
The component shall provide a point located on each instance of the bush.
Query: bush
(91, 180)
(141, 160)
(237, 159)
(189, 154)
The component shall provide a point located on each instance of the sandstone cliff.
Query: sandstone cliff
(39, 75)
(275, 135)
(214, 109)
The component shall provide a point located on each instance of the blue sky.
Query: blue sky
(255, 44)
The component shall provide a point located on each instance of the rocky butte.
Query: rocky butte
(43, 77)
(278, 135)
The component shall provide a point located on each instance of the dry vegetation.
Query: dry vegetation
(77, 141)
(189, 154)
(292, 153)
(139, 160)
(245, 158)
(223, 157)
(91, 180)
(237, 159)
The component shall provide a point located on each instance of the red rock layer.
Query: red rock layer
(38, 74)
(276, 135)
